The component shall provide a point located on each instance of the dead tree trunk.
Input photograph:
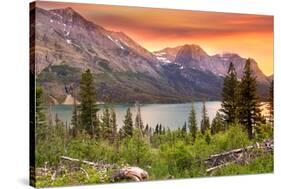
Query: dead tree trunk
(240, 155)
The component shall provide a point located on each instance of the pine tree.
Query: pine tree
(128, 124)
(205, 123)
(121, 133)
(146, 130)
(106, 129)
(217, 124)
(250, 113)
(156, 129)
(230, 96)
(57, 120)
(88, 105)
(150, 132)
(74, 119)
(184, 129)
(192, 124)
(138, 120)
(160, 129)
(113, 125)
(41, 126)
(271, 102)
(208, 137)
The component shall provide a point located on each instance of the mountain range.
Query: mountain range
(66, 44)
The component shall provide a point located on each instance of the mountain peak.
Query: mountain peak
(191, 52)
(194, 49)
(69, 9)
(69, 15)
(65, 10)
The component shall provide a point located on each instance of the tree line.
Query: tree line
(240, 104)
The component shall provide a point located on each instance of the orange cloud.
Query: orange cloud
(245, 34)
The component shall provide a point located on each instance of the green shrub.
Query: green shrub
(264, 131)
(234, 137)
(136, 151)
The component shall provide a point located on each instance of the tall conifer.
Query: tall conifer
(106, 129)
(217, 124)
(74, 119)
(205, 122)
(192, 123)
(88, 105)
(128, 124)
(271, 102)
(113, 125)
(249, 111)
(230, 96)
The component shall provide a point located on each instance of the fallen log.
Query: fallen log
(240, 155)
(96, 165)
(133, 173)
(219, 166)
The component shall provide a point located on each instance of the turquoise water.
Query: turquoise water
(169, 115)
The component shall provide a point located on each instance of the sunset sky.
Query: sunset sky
(155, 29)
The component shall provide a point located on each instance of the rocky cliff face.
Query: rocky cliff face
(64, 35)
(67, 44)
(194, 57)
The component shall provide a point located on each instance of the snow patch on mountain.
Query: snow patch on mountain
(161, 58)
(116, 42)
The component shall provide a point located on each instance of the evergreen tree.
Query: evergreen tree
(121, 133)
(41, 126)
(208, 137)
(250, 113)
(230, 96)
(138, 120)
(217, 124)
(160, 129)
(150, 131)
(128, 124)
(113, 125)
(157, 129)
(146, 130)
(184, 129)
(205, 123)
(57, 121)
(74, 119)
(88, 105)
(192, 124)
(271, 102)
(106, 129)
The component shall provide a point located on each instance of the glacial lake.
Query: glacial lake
(169, 115)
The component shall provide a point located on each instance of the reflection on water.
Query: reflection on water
(169, 115)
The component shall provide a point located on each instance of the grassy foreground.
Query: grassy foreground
(169, 155)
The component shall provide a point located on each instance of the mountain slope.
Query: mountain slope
(193, 57)
(67, 44)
